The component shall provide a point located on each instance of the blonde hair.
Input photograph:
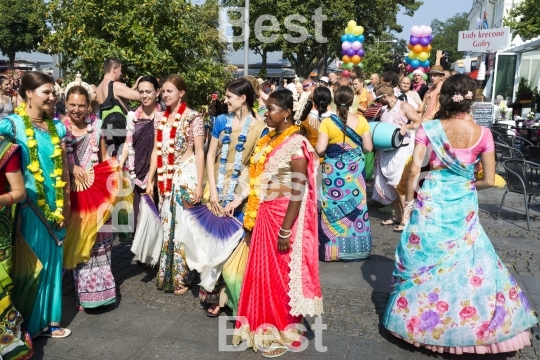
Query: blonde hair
(255, 85)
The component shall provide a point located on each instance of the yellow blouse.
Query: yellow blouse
(335, 135)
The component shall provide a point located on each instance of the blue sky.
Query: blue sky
(431, 10)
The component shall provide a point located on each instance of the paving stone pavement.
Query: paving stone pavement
(149, 324)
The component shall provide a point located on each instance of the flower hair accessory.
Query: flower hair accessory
(469, 95)
(457, 97)
(299, 105)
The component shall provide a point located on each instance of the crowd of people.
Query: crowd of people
(245, 204)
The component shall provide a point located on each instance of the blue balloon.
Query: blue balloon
(415, 63)
(407, 59)
(360, 38)
(425, 64)
(344, 38)
(351, 37)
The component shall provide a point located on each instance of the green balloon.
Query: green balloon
(361, 65)
(410, 76)
(425, 77)
(350, 65)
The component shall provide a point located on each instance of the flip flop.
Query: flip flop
(181, 291)
(273, 348)
(51, 329)
(388, 222)
(399, 228)
(212, 315)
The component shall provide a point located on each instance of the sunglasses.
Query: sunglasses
(308, 85)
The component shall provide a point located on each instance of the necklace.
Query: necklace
(237, 166)
(54, 216)
(131, 151)
(71, 141)
(263, 148)
(166, 171)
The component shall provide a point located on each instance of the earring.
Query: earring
(284, 119)
(241, 111)
(30, 103)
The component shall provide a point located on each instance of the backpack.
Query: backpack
(113, 115)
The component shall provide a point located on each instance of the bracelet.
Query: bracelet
(285, 231)
(283, 237)
(10, 199)
(409, 202)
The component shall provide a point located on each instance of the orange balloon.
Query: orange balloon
(417, 48)
(410, 46)
(356, 59)
(426, 49)
(361, 58)
(346, 59)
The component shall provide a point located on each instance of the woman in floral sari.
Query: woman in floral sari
(94, 281)
(46, 206)
(16, 343)
(178, 159)
(281, 282)
(451, 291)
(344, 228)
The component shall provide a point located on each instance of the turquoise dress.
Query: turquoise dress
(451, 290)
(39, 233)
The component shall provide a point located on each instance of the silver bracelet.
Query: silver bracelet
(285, 231)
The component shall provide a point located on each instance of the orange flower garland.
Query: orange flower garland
(266, 144)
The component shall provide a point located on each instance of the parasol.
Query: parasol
(91, 205)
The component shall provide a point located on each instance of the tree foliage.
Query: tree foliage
(384, 55)
(157, 37)
(22, 26)
(524, 19)
(376, 16)
(445, 37)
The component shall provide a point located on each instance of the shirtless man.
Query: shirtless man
(112, 72)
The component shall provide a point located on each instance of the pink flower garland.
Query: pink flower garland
(70, 139)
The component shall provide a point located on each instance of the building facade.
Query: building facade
(489, 14)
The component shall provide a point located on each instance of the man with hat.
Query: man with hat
(324, 81)
(430, 105)
(418, 83)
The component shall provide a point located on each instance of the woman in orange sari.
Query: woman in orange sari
(281, 282)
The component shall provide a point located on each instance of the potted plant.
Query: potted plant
(503, 110)
(524, 92)
(530, 120)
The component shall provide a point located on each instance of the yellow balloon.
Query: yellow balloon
(351, 24)
(423, 56)
(412, 55)
(347, 30)
(358, 30)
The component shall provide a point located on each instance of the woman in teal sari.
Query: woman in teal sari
(451, 291)
(42, 213)
(344, 229)
(16, 342)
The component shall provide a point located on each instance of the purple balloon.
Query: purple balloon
(351, 52)
(360, 52)
(414, 40)
(343, 52)
(430, 37)
(424, 41)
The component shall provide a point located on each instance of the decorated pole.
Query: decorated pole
(352, 47)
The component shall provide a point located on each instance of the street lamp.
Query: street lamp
(386, 41)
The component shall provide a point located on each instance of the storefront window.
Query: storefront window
(506, 72)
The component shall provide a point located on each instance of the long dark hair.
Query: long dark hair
(31, 80)
(284, 99)
(458, 84)
(152, 80)
(322, 97)
(343, 97)
(240, 87)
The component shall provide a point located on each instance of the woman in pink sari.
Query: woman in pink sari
(281, 282)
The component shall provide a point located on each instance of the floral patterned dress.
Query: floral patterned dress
(451, 291)
(173, 272)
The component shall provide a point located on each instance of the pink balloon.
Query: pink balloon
(409, 68)
(423, 69)
(357, 45)
(346, 73)
(422, 29)
(415, 31)
(429, 30)
(427, 70)
(346, 45)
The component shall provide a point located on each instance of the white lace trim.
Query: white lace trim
(263, 339)
(299, 304)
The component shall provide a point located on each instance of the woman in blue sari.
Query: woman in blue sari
(344, 229)
(451, 291)
(42, 213)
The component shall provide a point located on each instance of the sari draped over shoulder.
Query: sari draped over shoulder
(209, 240)
(281, 287)
(45, 240)
(16, 343)
(451, 291)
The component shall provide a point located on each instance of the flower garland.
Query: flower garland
(131, 151)
(35, 167)
(71, 141)
(166, 171)
(226, 198)
(264, 147)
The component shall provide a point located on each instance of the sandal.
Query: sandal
(391, 221)
(399, 228)
(274, 351)
(78, 307)
(51, 329)
(181, 291)
(210, 311)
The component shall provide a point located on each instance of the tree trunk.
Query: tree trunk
(11, 57)
(262, 73)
